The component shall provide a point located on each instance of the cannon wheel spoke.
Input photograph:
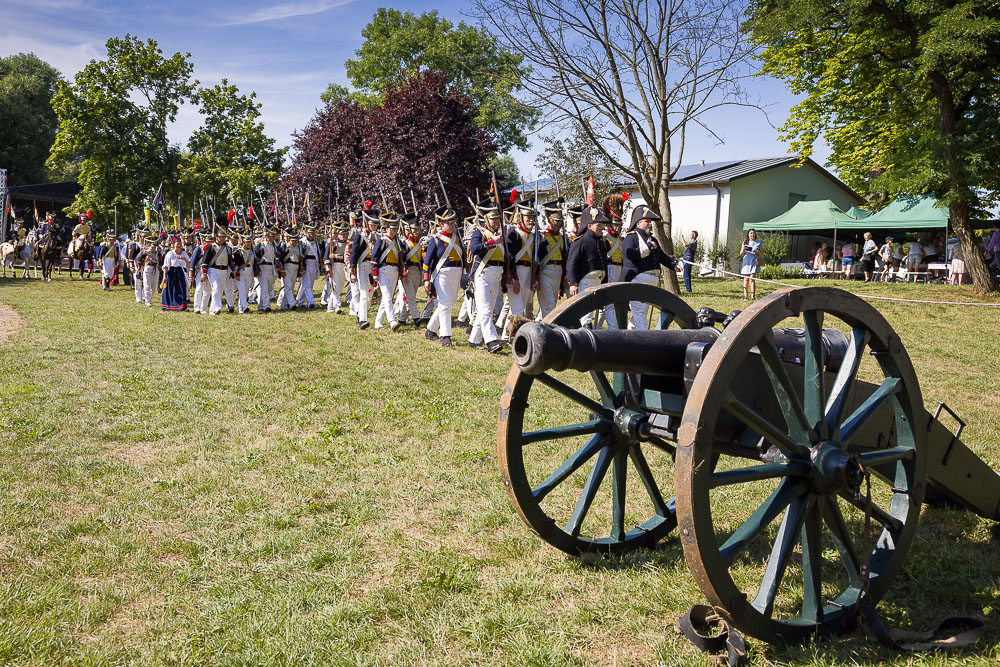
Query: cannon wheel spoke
(646, 477)
(844, 382)
(866, 410)
(788, 490)
(771, 432)
(590, 488)
(573, 395)
(619, 472)
(757, 473)
(571, 465)
(784, 390)
(781, 551)
(814, 389)
(583, 428)
(609, 396)
(834, 520)
(892, 524)
(812, 563)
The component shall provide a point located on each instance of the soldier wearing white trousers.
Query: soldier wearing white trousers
(290, 258)
(266, 253)
(587, 262)
(641, 261)
(245, 270)
(444, 265)
(361, 266)
(310, 258)
(387, 264)
(412, 248)
(337, 281)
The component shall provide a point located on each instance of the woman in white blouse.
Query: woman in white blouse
(175, 286)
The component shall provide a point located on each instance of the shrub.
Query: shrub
(777, 272)
(774, 248)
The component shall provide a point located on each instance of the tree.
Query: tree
(637, 75)
(905, 93)
(335, 93)
(115, 115)
(398, 44)
(504, 166)
(229, 155)
(571, 160)
(29, 125)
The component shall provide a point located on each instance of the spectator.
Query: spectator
(885, 252)
(690, 252)
(847, 258)
(750, 252)
(915, 253)
(897, 257)
(957, 276)
(993, 247)
(819, 256)
(868, 252)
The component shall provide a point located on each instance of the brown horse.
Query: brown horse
(50, 252)
(84, 254)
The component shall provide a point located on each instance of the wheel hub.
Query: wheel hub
(834, 469)
(629, 427)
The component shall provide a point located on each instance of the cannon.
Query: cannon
(794, 436)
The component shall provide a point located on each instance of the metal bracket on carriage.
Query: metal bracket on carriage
(709, 317)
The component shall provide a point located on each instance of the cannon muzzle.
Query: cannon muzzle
(539, 347)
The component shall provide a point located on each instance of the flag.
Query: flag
(158, 200)
(590, 190)
(36, 212)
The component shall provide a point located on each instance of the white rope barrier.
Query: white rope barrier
(863, 296)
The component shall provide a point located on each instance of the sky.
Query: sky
(287, 52)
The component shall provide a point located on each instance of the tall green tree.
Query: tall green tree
(571, 159)
(229, 156)
(115, 115)
(27, 122)
(904, 91)
(398, 44)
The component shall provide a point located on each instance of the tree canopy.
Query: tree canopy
(905, 93)
(27, 121)
(423, 127)
(398, 44)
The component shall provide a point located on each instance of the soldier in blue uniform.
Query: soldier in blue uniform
(107, 255)
(443, 269)
(553, 248)
(387, 266)
(489, 269)
(361, 264)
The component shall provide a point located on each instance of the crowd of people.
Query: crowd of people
(510, 266)
(923, 256)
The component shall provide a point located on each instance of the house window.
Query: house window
(794, 198)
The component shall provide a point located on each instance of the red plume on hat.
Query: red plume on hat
(513, 195)
(90, 213)
(250, 213)
(624, 197)
(368, 204)
(231, 215)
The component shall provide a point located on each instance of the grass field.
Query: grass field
(285, 489)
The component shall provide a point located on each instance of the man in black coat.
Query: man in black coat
(587, 263)
(642, 259)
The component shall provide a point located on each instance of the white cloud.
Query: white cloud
(68, 58)
(288, 10)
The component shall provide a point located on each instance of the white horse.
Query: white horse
(9, 254)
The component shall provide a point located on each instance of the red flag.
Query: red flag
(36, 212)
(250, 213)
(590, 190)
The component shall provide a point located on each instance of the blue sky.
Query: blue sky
(289, 51)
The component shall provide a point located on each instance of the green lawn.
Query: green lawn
(286, 489)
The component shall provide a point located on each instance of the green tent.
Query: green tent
(858, 213)
(906, 212)
(805, 216)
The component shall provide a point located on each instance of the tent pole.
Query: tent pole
(833, 254)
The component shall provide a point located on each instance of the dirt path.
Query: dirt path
(10, 323)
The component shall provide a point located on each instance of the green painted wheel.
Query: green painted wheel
(570, 480)
(780, 545)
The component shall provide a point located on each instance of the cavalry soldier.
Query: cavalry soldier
(587, 263)
(443, 268)
(337, 266)
(108, 255)
(245, 262)
(642, 259)
(81, 233)
(489, 268)
(387, 266)
(292, 266)
(216, 268)
(266, 253)
(147, 262)
(312, 251)
(361, 264)
(552, 252)
(413, 249)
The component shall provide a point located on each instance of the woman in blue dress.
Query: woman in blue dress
(750, 254)
(174, 296)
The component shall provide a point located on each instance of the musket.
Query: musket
(336, 182)
(385, 204)
(437, 202)
(263, 209)
(563, 238)
(413, 200)
(294, 220)
(309, 215)
(403, 199)
(443, 191)
(534, 241)
(503, 232)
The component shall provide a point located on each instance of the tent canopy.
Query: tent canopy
(906, 212)
(858, 213)
(805, 216)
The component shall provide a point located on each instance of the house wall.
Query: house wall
(693, 209)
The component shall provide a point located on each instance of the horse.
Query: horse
(9, 253)
(50, 253)
(84, 252)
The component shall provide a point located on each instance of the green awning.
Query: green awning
(858, 213)
(906, 212)
(805, 216)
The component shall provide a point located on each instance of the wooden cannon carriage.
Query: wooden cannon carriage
(799, 456)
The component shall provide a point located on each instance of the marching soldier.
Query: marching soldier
(353, 293)
(148, 262)
(413, 248)
(331, 239)
(613, 243)
(292, 267)
(551, 259)
(520, 245)
(132, 250)
(361, 264)
(266, 253)
(216, 268)
(337, 253)
(202, 288)
(108, 256)
(489, 268)
(312, 251)
(443, 268)
(587, 263)
(642, 259)
(245, 262)
(387, 267)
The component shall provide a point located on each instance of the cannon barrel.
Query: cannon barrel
(539, 347)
